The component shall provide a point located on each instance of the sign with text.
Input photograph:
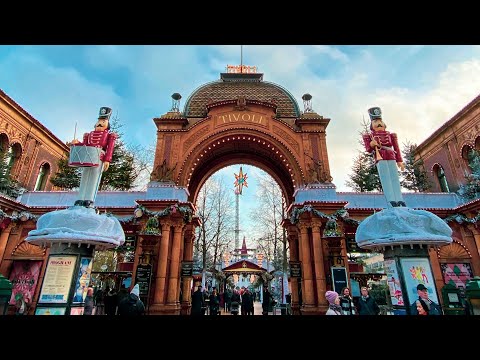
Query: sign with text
(339, 277)
(58, 279)
(187, 268)
(295, 269)
(241, 117)
(142, 278)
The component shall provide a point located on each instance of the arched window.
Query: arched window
(442, 179)
(14, 154)
(42, 177)
(469, 156)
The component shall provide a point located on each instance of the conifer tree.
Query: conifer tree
(66, 177)
(414, 177)
(8, 186)
(471, 189)
(364, 176)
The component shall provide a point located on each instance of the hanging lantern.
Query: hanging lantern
(259, 259)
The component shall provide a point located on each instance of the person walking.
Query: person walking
(214, 302)
(267, 298)
(197, 302)
(346, 302)
(88, 307)
(132, 305)
(366, 304)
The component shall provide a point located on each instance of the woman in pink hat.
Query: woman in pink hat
(333, 299)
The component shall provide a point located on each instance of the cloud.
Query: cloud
(58, 97)
(416, 91)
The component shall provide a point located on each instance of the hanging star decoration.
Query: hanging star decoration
(240, 181)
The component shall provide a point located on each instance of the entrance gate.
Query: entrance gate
(242, 119)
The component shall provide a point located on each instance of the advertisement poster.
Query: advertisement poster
(24, 278)
(50, 311)
(393, 282)
(57, 280)
(417, 271)
(76, 310)
(339, 276)
(457, 274)
(83, 279)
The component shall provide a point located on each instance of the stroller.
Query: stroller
(234, 307)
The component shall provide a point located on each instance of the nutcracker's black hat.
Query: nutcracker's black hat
(375, 113)
(104, 113)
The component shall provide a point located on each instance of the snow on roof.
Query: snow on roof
(68, 198)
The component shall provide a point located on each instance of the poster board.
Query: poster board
(187, 269)
(83, 280)
(142, 278)
(339, 278)
(58, 279)
(295, 269)
(24, 279)
(418, 271)
(393, 281)
(457, 274)
(50, 310)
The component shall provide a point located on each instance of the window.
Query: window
(442, 179)
(42, 177)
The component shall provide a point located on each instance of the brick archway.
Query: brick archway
(254, 135)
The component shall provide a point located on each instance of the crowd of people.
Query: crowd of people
(235, 301)
(108, 302)
(344, 304)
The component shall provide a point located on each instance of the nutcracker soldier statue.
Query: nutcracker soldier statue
(384, 145)
(93, 155)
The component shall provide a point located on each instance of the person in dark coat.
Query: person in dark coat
(110, 300)
(247, 303)
(366, 304)
(132, 305)
(214, 302)
(197, 302)
(235, 302)
(88, 307)
(267, 298)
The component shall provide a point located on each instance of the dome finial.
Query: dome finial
(307, 103)
(176, 102)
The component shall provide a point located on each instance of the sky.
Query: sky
(417, 87)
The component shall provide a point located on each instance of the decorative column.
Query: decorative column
(320, 280)
(308, 296)
(4, 239)
(174, 266)
(160, 278)
(471, 227)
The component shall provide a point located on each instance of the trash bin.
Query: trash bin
(452, 300)
(473, 295)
